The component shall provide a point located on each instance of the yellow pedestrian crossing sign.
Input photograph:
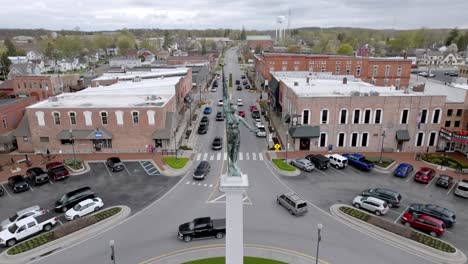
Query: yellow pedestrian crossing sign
(277, 147)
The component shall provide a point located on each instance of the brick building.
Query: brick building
(463, 71)
(11, 113)
(378, 71)
(43, 86)
(345, 114)
(210, 58)
(264, 43)
(124, 117)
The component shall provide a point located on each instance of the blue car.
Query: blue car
(207, 110)
(403, 170)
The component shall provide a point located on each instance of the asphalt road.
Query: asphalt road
(153, 231)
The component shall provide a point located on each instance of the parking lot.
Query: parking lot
(136, 186)
(325, 188)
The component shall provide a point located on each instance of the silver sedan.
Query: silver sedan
(303, 164)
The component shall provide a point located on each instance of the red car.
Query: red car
(433, 226)
(241, 113)
(253, 108)
(424, 175)
(57, 170)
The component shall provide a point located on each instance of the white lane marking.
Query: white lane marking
(260, 156)
(212, 157)
(254, 157)
(205, 185)
(409, 178)
(205, 156)
(225, 156)
(58, 220)
(188, 182)
(51, 181)
(320, 171)
(338, 171)
(193, 183)
(241, 157)
(355, 170)
(248, 157)
(129, 171)
(198, 156)
(108, 171)
(31, 188)
(218, 156)
(404, 211)
(214, 200)
(6, 191)
(211, 185)
(199, 184)
(430, 182)
(451, 188)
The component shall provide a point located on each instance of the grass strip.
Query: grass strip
(283, 166)
(174, 163)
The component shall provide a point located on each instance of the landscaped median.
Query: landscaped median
(247, 260)
(382, 163)
(399, 235)
(175, 163)
(283, 168)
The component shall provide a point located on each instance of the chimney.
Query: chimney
(405, 55)
(345, 80)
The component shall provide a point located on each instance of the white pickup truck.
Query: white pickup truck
(26, 228)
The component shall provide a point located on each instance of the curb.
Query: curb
(177, 172)
(398, 241)
(66, 241)
(283, 172)
(388, 169)
(86, 168)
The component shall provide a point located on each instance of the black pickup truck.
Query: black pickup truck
(201, 228)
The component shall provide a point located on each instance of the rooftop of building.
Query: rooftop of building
(11, 101)
(152, 73)
(259, 37)
(279, 54)
(145, 93)
(455, 92)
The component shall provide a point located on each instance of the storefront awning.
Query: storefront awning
(402, 135)
(98, 133)
(304, 131)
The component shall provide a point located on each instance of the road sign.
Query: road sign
(277, 147)
(98, 134)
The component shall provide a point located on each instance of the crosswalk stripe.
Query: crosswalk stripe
(205, 184)
(211, 185)
(198, 156)
(218, 157)
(254, 157)
(248, 157)
(260, 156)
(225, 156)
(240, 156)
(212, 157)
(205, 156)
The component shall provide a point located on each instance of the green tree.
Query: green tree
(147, 44)
(341, 36)
(167, 40)
(345, 49)
(402, 41)
(11, 49)
(452, 37)
(69, 46)
(5, 63)
(462, 41)
(227, 32)
(102, 41)
(125, 41)
(203, 45)
(243, 34)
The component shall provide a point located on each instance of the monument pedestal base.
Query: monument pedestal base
(234, 187)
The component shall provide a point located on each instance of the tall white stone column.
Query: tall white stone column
(234, 188)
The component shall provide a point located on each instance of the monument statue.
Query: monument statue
(232, 131)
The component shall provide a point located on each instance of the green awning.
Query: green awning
(402, 135)
(305, 131)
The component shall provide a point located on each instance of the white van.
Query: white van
(462, 189)
(337, 161)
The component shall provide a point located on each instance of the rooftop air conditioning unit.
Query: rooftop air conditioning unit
(154, 98)
(137, 79)
(53, 99)
(296, 83)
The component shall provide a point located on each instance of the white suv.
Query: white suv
(372, 204)
(462, 189)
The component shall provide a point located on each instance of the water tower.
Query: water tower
(280, 32)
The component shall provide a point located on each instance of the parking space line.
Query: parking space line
(404, 211)
(451, 188)
(152, 170)
(409, 178)
(5, 189)
(31, 188)
(320, 171)
(355, 170)
(338, 171)
(128, 171)
(108, 171)
(430, 182)
(188, 182)
(51, 182)
(58, 220)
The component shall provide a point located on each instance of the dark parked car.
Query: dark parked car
(18, 184)
(247, 86)
(239, 87)
(204, 120)
(115, 164)
(202, 170)
(245, 82)
(72, 198)
(403, 170)
(392, 198)
(215, 84)
(242, 76)
(57, 170)
(202, 228)
(237, 82)
(436, 211)
(1, 191)
(202, 129)
(320, 161)
(444, 181)
(219, 116)
(217, 143)
(255, 114)
(37, 175)
(424, 175)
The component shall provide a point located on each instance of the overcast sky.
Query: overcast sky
(92, 15)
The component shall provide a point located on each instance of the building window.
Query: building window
(296, 68)
(436, 116)
(341, 140)
(387, 70)
(296, 62)
(365, 139)
(305, 117)
(385, 82)
(5, 122)
(283, 68)
(447, 123)
(432, 139)
(338, 62)
(323, 140)
(399, 71)
(459, 112)
(337, 70)
(367, 116)
(25, 139)
(449, 112)
(104, 118)
(272, 68)
(322, 69)
(343, 116)
(66, 141)
(324, 116)
(419, 139)
(397, 83)
(348, 70)
(158, 143)
(284, 62)
(356, 116)
(358, 71)
(354, 139)
(72, 118)
(404, 116)
(135, 117)
(376, 69)
(324, 62)
(456, 123)
(44, 139)
(378, 116)
(424, 116)
(56, 118)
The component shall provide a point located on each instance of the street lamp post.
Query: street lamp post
(319, 238)
(112, 255)
(73, 146)
(292, 119)
(175, 143)
(381, 148)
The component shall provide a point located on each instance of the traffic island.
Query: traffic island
(283, 168)
(383, 164)
(176, 166)
(400, 236)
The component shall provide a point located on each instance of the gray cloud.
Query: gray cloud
(253, 14)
